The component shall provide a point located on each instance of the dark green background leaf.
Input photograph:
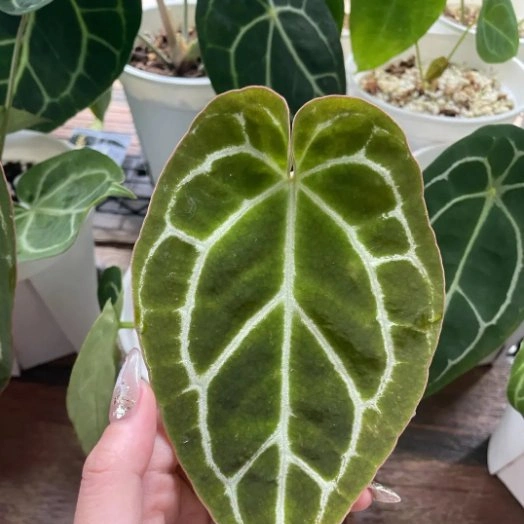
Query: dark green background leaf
(291, 47)
(19, 7)
(516, 382)
(77, 48)
(288, 319)
(93, 379)
(110, 286)
(336, 8)
(7, 279)
(475, 194)
(497, 31)
(55, 197)
(100, 105)
(381, 29)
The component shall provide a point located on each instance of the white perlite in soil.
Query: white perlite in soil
(459, 91)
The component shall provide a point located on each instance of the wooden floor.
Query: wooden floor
(438, 467)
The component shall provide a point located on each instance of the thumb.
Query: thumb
(111, 487)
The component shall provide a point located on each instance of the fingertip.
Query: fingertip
(364, 501)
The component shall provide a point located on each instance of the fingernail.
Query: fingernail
(127, 387)
(382, 494)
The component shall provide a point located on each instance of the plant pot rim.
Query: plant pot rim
(164, 79)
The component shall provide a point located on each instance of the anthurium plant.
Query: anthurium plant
(57, 58)
(474, 193)
(288, 296)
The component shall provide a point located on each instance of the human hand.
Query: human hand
(132, 475)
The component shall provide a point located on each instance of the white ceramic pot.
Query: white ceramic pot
(506, 452)
(55, 298)
(163, 107)
(424, 130)
(445, 24)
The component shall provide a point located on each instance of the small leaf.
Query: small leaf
(474, 193)
(75, 50)
(19, 119)
(516, 381)
(497, 31)
(337, 11)
(381, 30)
(55, 196)
(288, 296)
(436, 68)
(7, 279)
(294, 49)
(92, 380)
(110, 286)
(20, 7)
(100, 105)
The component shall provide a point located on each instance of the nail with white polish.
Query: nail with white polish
(127, 387)
(382, 494)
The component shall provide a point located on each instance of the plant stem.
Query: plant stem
(123, 324)
(459, 41)
(13, 72)
(158, 52)
(419, 64)
(185, 29)
(177, 54)
(462, 12)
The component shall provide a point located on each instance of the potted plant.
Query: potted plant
(40, 89)
(298, 68)
(444, 86)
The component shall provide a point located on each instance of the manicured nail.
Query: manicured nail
(127, 387)
(382, 494)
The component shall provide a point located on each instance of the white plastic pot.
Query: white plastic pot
(506, 452)
(425, 130)
(445, 24)
(163, 107)
(55, 298)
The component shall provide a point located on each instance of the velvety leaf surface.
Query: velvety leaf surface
(291, 46)
(76, 49)
(380, 30)
(475, 193)
(20, 7)
(516, 382)
(497, 34)
(288, 317)
(55, 196)
(93, 379)
(7, 279)
(336, 8)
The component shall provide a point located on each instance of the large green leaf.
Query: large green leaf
(292, 47)
(20, 7)
(7, 279)
(337, 12)
(93, 378)
(55, 196)
(475, 194)
(380, 30)
(76, 49)
(288, 294)
(110, 287)
(497, 31)
(516, 381)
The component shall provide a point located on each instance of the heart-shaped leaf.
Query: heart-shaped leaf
(110, 287)
(288, 295)
(7, 279)
(294, 49)
(516, 381)
(380, 30)
(20, 7)
(336, 8)
(497, 35)
(475, 194)
(75, 50)
(93, 378)
(55, 196)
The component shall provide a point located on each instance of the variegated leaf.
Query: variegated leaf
(20, 7)
(7, 279)
(292, 47)
(55, 196)
(475, 194)
(75, 50)
(380, 30)
(288, 295)
(497, 34)
(516, 381)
